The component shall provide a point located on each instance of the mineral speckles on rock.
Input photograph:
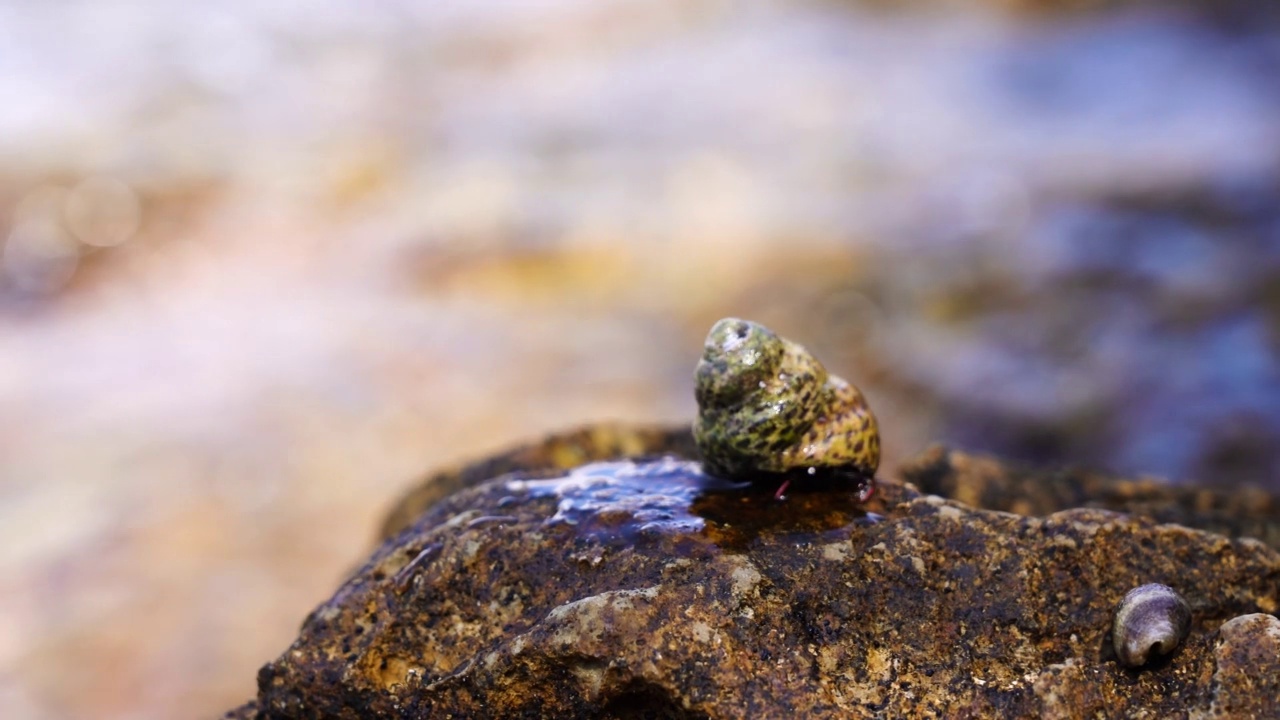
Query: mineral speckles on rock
(988, 483)
(594, 616)
(759, 608)
(1247, 681)
(745, 579)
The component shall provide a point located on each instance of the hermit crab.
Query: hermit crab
(767, 407)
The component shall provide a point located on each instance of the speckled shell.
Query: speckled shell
(766, 405)
(1152, 620)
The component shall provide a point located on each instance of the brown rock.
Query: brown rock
(625, 589)
(989, 483)
(1247, 683)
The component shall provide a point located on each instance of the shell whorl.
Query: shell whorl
(1152, 620)
(765, 404)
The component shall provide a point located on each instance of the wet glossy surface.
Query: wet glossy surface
(628, 502)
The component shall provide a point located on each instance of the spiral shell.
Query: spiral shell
(1152, 620)
(766, 405)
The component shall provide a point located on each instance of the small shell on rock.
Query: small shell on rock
(766, 405)
(1152, 620)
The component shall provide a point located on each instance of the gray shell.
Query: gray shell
(1152, 620)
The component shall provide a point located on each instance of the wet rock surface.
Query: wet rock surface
(624, 588)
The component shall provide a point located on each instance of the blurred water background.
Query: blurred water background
(261, 265)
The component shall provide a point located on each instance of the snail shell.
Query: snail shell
(1152, 620)
(766, 405)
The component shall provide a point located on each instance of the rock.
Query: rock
(646, 589)
(1247, 682)
(989, 483)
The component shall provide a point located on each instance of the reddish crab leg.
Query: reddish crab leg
(781, 489)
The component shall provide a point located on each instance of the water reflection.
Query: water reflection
(630, 502)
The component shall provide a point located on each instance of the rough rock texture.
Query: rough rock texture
(646, 589)
(1247, 683)
(988, 483)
